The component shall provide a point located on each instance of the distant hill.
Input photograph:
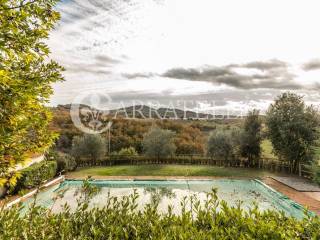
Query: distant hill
(144, 112)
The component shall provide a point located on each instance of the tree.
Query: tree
(251, 138)
(159, 143)
(219, 145)
(89, 146)
(292, 128)
(225, 145)
(190, 141)
(26, 75)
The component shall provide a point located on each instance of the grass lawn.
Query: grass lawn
(266, 147)
(168, 170)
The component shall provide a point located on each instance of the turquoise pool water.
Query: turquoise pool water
(172, 193)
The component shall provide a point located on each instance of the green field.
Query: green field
(168, 170)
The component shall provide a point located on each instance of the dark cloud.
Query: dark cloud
(273, 74)
(312, 65)
(197, 74)
(266, 65)
(138, 75)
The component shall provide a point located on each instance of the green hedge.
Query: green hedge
(121, 219)
(36, 174)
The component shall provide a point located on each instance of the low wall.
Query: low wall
(30, 194)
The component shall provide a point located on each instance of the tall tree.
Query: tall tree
(292, 128)
(26, 75)
(251, 138)
(159, 143)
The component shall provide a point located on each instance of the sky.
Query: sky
(224, 55)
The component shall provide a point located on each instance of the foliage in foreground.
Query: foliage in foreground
(120, 219)
(26, 75)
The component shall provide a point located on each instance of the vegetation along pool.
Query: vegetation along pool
(171, 193)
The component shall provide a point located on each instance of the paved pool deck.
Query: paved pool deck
(311, 200)
(299, 184)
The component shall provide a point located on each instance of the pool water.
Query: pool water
(172, 193)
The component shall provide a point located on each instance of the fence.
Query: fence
(265, 163)
(304, 171)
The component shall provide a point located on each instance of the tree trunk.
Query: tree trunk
(295, 166)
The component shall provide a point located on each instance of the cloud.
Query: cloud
(266, 65)
(138, 75)
(280, 79)
(272, 74)
(312, 65)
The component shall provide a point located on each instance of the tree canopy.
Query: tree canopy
(159, 143)
(26, 75)
(292, 128)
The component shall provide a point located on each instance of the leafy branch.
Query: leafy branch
(21, 5)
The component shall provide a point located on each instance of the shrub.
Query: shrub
(130, 151)
(66, 162)
(36, 174)
(121, 219)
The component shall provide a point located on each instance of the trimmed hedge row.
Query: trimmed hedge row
(36, 174)
(121, 219)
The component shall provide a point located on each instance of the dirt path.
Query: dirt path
(300, 197)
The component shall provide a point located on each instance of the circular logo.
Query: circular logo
(89, 114)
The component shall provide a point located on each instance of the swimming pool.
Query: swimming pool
(172, 193)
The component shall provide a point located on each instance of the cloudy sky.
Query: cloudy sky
(236, 54)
